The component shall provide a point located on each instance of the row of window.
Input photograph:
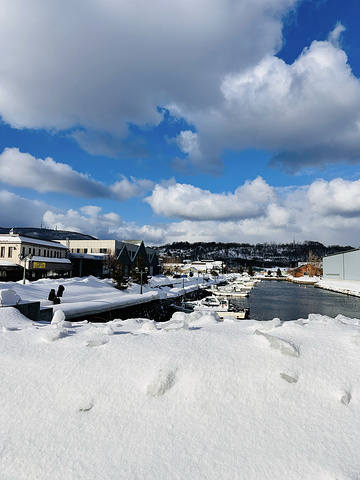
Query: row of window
(41, 252)
(92, 250)
(30, 251)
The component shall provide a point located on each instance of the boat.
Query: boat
(211, 303)
(228, 291)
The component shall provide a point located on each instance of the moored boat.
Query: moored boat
(213, 304)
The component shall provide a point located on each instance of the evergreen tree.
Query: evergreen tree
(119, 276)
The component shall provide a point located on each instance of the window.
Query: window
(2, 252)
(85, 250)
(10, 250)
(39, 252)
(23, 251)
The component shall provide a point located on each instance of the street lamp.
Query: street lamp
(27, 257)
(138, 270)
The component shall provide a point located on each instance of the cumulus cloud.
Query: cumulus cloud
(49, 176)
(91, 220)
(337, 197)
(19, 211)
(46, 175)
(105, 64)
(328, 212)
(125, 189)
(192, 203)
(307, 113)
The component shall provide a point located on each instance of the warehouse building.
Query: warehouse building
(342, 266)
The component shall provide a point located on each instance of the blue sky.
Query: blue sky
(216, 120)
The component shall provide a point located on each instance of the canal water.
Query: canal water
(290, 301)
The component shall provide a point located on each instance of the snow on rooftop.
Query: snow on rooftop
(5, 263)
(35, 241)
(37, 258)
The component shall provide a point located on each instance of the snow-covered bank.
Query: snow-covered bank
(189, 398)
(341, 286)
(90, 295)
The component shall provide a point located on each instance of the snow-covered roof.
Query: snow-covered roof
(33, 241)
(89, 256)
(4, 263)
(36, 258)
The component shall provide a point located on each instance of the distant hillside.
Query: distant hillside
(47, 234)
(240, 254)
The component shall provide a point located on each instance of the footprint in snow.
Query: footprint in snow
(96, 343)
(346, 398)
(286, 348)
(289, 378)
(162, 383)
(86, 408)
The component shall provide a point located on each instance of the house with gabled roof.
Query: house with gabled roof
(96, 257)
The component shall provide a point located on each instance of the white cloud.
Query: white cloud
(49, 176)
(90, 220)
(328, 212)
(105, 65)
(307, 113)
(46, 175)
(337, 197)
(125, 189)
(20, 212)
(102, 64)
(192, 203)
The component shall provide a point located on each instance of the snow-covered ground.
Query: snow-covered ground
(192, 398)
(90, 295)
(341, 286)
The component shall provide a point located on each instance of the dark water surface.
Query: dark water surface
(290, 301)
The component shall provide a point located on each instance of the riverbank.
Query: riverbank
(340, 286)
(91, 296)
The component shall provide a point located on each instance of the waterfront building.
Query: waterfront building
(37, 258)
(342, 266)
(96, 257)
(195, 267)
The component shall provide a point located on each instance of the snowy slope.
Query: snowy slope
(192, 398)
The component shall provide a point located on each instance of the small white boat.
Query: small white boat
(213, 304)
(229, 291)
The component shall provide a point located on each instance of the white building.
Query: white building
(342, 266)
(40, 258)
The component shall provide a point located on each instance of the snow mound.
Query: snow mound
(9, 297)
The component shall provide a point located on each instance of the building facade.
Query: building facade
(97, 257)
(39, 258)
(342, 266)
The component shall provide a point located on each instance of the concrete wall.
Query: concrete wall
(343, 266)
